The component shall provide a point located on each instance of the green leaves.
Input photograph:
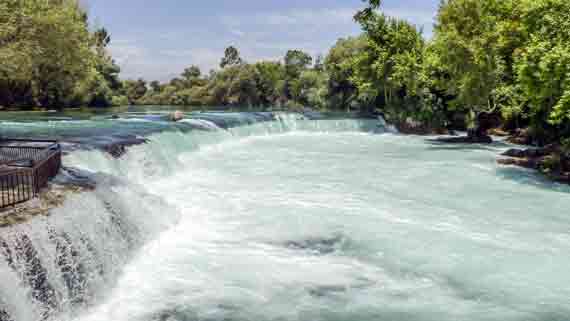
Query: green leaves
(231, 57)
(543, 64)
(45, 46)
(388, 70)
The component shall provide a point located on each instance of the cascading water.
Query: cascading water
(62, 263)
(280, 217)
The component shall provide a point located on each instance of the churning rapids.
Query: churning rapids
(279, 217)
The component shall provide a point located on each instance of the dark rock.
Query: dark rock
(521, 162)
(318, 246)
(533, 152)
(412, 127)
(521, 137)
(549, 160)
(466, 140)
(514, 152)
(119, 148)
(4, 316)
(116, 150)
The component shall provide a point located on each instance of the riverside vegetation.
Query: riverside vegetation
(508, 59)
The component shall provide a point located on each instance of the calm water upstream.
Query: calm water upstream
(281, 217)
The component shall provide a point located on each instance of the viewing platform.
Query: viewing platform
(26, 166)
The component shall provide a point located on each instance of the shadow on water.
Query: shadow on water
(530, 178)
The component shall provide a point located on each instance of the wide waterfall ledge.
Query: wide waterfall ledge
(59, 253)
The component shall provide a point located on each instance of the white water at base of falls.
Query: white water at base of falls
(309, 220)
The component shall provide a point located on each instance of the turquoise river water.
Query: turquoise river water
(275, 216)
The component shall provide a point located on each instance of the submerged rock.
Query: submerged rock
(119, 148)
(521, 162)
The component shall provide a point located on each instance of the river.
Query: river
(246, 216)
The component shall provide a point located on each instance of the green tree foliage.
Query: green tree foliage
(265, 84)
(296, 61)
(44, 51)
(270, 82)
(231, 57)
(388, 69)
(49, 58)
(509, 56)
(191, 73)
(543, 65)
(469, 42)
(135, 90)
(342, 91)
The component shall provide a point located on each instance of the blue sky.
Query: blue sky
(157, 39)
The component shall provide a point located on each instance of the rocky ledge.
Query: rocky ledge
(478, 135)
(549, 160)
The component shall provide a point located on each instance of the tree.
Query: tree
(312, 90)
(387, 71)
(102, 38)
(191, 73)
(270, 76)
(155, 86)
(470, 40)
(45, 49)
(367, 13)
(342, 91)
(543, 67)
(231, 57)
(296, 61)
(135, 90)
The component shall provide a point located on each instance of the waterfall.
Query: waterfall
(62, 263)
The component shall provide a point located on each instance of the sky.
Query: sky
(157, 39)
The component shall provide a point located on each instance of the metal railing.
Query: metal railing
(26, 166)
